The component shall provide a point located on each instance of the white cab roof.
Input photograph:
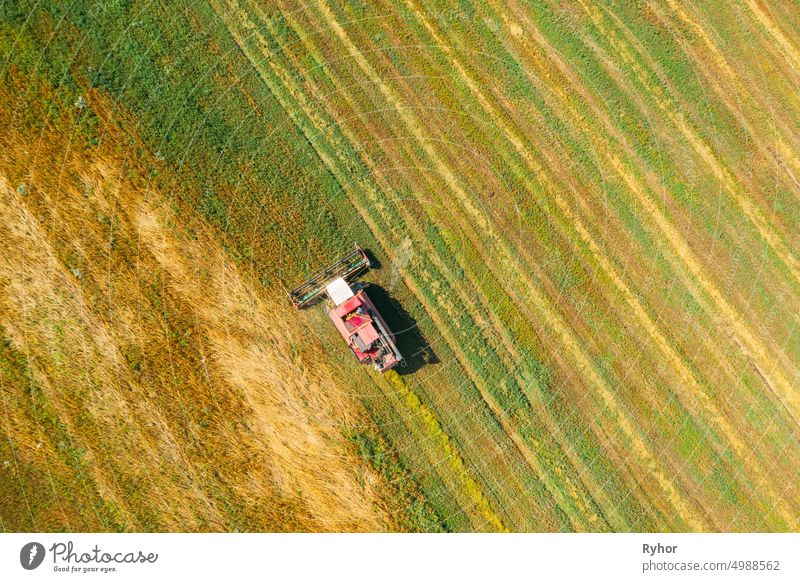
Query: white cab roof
(339, 291)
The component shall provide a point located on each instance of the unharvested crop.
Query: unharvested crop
(588, 223)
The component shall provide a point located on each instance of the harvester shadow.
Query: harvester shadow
(416, 351)
(374, 262)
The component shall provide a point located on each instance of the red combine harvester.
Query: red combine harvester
(352, 312)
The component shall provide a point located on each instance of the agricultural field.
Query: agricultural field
(587, 222)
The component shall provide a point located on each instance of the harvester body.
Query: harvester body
(352, 312)
(365, 331)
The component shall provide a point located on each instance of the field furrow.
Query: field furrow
(586, 226)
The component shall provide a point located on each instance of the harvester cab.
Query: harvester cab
(351, 310)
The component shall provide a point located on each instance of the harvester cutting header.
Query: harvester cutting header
(351, 310)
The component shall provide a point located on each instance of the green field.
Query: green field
(587, 218)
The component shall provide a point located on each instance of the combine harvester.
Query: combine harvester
(352, 311)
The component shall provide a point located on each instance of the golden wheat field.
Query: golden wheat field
(585, 220)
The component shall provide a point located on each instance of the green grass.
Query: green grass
(288, 179)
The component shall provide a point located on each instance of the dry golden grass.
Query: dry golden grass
(186, 394)
(589, 214)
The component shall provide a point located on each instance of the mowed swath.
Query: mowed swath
(590, 212)
(471, 437)
(588, 220)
